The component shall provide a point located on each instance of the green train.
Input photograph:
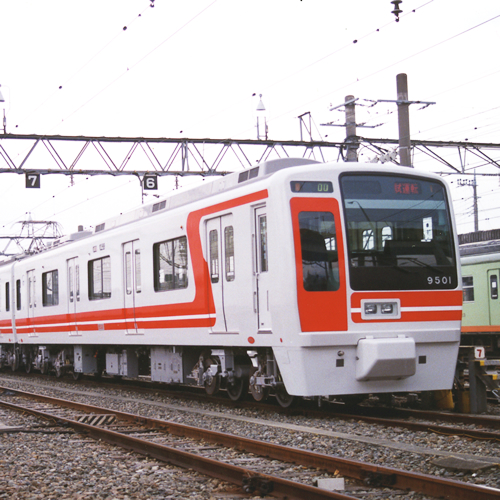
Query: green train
(480, 261)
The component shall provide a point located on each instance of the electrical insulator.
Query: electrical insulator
(396, 10)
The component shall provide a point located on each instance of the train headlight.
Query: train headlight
(378, 309)
(370, 308)
(387, 308)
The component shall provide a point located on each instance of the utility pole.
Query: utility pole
(403, 120)
(352, 140)
(350, 121)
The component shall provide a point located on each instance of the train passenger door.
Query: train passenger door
(493, 298)
(31, 303)
(221, 263)
(261, 270)
(132, 283)
(73, 268)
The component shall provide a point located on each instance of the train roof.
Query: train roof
(225, 183)
(479, 246)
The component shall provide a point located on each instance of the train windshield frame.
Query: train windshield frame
(399, 232)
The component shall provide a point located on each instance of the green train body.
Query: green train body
(480, 262)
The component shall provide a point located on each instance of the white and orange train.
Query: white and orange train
(293, 277)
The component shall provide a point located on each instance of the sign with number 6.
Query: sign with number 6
(150, 182)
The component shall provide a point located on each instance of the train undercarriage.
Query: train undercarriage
(235, 370)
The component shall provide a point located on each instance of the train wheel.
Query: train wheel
(15, 360)
(212, 387)
(258, 392)
(77, 375)
(44, 368)
(28, 363)
(284, 399)
(238, 389)
(212, 384)
(59, 371)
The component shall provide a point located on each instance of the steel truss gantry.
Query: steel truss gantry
(139, 155)
(50, 154)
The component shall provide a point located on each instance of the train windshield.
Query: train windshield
(399, 233)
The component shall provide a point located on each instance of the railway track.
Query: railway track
(166, 441)
(474, 426)
(481, 427)
(386, 416)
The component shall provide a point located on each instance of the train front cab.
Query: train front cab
(378, 298)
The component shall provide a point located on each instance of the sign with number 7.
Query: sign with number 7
(32, 180)
(479, 352)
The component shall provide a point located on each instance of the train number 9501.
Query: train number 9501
(439, 280)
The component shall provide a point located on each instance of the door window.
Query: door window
(494, 286)
(214, 256)
(263, 243)
(229, 252)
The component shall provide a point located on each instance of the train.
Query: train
(293, 278)
(480, 261)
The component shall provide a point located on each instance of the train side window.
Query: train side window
(100, 278)
(7, 296)
(18, 295)
(468, 288)
(170, 264)
(229, 252)
(494, 286)
(213, 238)
(320, 267)
(50, 288)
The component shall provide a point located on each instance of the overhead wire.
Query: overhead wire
(314, 63)
(395, 63)
(77, 72)
(104, 193)
(139, 61)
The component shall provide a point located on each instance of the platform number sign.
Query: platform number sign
(32, 180)
(479, 352)
(150, 182)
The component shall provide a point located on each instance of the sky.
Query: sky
(195, 69)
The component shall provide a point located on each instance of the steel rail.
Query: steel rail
(382, 416)
(390, 414)
(370, 474)
(249, 480)
(490, 421)
(389, 421)
(388, 417)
